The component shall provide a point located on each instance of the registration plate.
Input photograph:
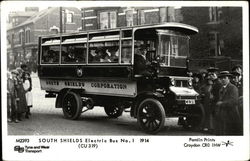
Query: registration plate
(189, 101)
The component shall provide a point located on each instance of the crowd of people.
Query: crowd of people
(221, 95)
(19, 96)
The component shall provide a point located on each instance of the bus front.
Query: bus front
(168, 45)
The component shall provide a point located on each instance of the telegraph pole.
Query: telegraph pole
(60, 10)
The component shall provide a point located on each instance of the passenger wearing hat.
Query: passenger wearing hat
(227, 115)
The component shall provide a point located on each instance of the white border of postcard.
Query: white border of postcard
(159, 147)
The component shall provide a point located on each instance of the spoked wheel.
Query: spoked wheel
(151, 116)
(72, 106)
(196, 119)
(113, 111)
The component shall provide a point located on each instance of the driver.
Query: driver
(141, 61)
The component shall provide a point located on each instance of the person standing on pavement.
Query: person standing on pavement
(21, 103)
(28, 94)
(197, 82)
(10, 89)
(207, 99)
(227, 113)
(26, 70)
(213, 74)
(236, 81)
(12, 85)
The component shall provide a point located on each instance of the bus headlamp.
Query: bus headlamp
(172, 82)
(190, 83)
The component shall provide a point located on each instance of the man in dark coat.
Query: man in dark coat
(238, 83)
(141, 61)
(227, 113)
(212, 73)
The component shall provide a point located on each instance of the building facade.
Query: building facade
(112, 17)
(219, 42)
(22, 37)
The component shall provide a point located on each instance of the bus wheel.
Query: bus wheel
(113, 111)
(72, 105)
(197, 119)
(151, 116)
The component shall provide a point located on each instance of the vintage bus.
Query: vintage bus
(142, 69)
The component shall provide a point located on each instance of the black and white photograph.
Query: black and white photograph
(125, 80)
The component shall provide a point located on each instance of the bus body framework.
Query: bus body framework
(102, 68)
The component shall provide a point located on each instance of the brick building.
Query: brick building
(112, 17)
(25, 27)
(219, 42)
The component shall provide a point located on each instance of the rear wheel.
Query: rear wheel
(72, 106)
(151, 115)
(113, 111)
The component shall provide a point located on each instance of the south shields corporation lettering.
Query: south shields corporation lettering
(66, 83)
(108, 85)
(103, 85)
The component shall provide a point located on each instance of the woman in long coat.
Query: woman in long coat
(21, 103)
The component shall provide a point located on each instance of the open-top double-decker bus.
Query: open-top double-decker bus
(141, 68)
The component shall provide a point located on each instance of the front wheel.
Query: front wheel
(72, 106)
(151, 116)
(113, 111)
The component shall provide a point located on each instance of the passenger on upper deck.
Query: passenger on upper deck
(95, 55)
(71, 55)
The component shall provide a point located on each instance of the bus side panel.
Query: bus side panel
(64, 72)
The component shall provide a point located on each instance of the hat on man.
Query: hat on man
(212, 69)
(224, 74)
(143, 46)
(19, 70)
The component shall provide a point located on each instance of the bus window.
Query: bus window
(126, 51)
(173, 50)
(50, 54)
(74, 53)
(104, 52)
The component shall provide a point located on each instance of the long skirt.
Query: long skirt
(21, 104)
(29, 99)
